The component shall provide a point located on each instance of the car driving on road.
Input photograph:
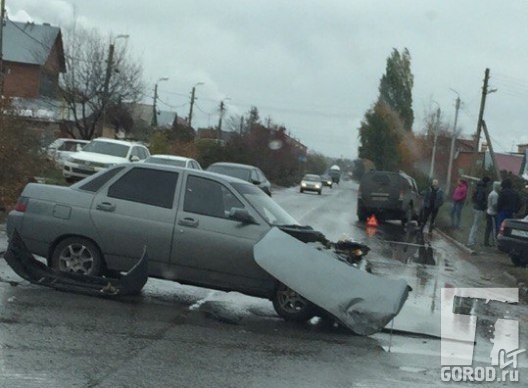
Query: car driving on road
(311, 182)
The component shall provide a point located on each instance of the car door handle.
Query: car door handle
(187, 221)
(106, 206)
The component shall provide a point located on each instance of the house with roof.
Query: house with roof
(33, 58)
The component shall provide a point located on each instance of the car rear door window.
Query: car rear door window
(148, 186)
(96, 183)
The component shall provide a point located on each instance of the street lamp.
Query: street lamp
(192, 101)
(154, 121)
(431, 171)
(453, 139)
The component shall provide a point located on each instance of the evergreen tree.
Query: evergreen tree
(396, 85)
(380, 134)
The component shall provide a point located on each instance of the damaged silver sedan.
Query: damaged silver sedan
(202, 229)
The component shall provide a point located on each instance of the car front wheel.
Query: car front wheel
(291, 306)
(78, 255)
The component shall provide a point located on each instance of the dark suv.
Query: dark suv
(389, 195)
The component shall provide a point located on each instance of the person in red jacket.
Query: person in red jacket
(459, 197)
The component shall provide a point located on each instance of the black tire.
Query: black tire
(78, 255)
(291, 306)
(407, 216)
(69, 180)
(361, 214)
(301, 190)
(517, 260)
(319, 192)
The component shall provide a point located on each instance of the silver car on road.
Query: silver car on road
(199, 227)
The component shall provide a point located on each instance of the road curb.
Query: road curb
(456, 242)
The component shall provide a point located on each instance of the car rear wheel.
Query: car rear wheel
(361, 214)
(517, 259)
(291, 306)
(78, 255)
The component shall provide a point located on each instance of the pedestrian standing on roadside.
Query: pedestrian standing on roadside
(433, 198)
(459, 198)
(508, 203)
(480, 203)
(491, 216)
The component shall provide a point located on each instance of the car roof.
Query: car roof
(171, 157)
(229, 164)
(115, 141)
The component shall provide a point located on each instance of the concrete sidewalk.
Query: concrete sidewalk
(494, 265)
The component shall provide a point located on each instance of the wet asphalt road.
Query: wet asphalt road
(174, 335)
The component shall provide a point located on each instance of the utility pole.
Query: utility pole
(108, 75)
(154, 121)
(479, 123)
(219, 129)
(492, 154)
(452, 149)
(2, 14)
(431, 171)
(192, 102)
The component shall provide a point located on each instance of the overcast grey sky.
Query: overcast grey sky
(314, 65)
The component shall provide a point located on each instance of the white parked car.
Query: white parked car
(62, 148)
(100, 154)
(173, 160)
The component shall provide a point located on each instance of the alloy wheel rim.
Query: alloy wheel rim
(76, 258)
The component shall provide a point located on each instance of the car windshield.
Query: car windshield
(264, 205)
(311, 177)
(107, 148)
(237, 172)
(166, 161)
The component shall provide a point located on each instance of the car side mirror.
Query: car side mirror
(242, 215)
(134, 158)
(256, 181)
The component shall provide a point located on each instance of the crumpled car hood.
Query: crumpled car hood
(363, 302)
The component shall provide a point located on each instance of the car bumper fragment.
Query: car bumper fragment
(363, 302)
(27, 267)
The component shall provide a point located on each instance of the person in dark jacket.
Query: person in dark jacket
(433, 198)
(480, 204)
(508, 203)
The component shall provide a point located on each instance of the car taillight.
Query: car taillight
(21, 204)
(502, 228)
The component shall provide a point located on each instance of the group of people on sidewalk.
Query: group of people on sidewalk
(495, 204)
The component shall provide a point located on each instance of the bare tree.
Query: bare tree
(99, 74)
